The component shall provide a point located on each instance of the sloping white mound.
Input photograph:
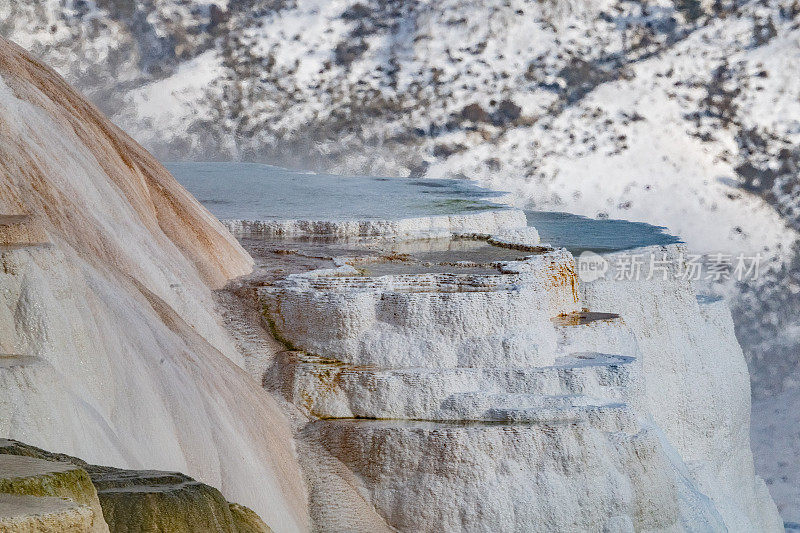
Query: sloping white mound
(108, 266)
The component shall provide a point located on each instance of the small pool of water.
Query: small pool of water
(449, 250)
(578, 233)
(396, 268)
(438, 256)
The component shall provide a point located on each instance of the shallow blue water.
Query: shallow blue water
(578, 233)
(251, 191)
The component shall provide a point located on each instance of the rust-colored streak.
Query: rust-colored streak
(162, 205)
(563, 275)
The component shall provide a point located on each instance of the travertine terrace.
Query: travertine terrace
(460, 376)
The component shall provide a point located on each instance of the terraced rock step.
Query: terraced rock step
(434, 320)
(610, 417)
(533, 408)
(330, 389)
(30, 476)
(43, 514)
(131, 500)
(491, 219)
(168, 501)
(493, 471)
(594, 332)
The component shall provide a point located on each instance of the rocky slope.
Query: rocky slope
(115, 352)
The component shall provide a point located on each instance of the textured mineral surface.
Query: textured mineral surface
(454, 372)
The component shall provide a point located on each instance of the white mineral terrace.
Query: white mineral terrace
(462, 373)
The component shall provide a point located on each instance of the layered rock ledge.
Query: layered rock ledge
(465, 378)
(41, 491)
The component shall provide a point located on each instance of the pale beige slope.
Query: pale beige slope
(120, 356)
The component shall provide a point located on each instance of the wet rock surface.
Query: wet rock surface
(27, 514)
(125, 500)
(45, 495)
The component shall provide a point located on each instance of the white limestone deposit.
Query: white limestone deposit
(117, 354)
(490, 221)
(519, 399)
(465, 321)
(695, 381)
